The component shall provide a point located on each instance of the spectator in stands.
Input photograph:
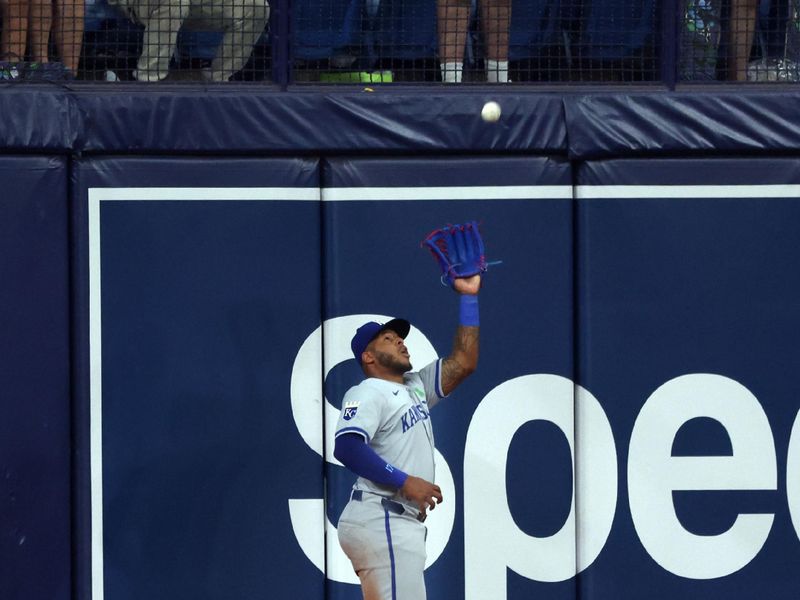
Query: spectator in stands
(741, 32)
(242, 22)
(453, 21)
(767, 23)
(27, 25)
(14, 35)
(68, 32)
(777, 41)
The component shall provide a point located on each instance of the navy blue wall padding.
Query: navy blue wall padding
(761, 171)
(434, 172)
(534, 25)
(606, 125)
(406, 29)
(45, 119)
(319, 30)
(225, 119)
(35, 553)
(139, 172)
(245, 118)
(374, 264)
(670, 287)
(204, 305)
(615, 29)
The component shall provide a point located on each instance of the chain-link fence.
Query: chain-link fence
(395, 41)
(135, 40)
(740, 40)
(468, 41)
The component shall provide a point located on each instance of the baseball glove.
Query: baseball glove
(458, 250)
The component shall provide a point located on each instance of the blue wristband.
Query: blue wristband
(468, 311)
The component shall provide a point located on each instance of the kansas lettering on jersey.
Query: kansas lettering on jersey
(414, 415)
(394, 419)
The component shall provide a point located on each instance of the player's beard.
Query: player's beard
(394, 364)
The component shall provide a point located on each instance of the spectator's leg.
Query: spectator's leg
(453, 21)
(162, 22)
(496, 17)
(68, 32)
(15, 30)
(243, 22)
(778, 23)
(40, 19)
(742, 29)
(3, 21)
(5, 15)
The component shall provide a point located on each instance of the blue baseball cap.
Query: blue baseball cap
(369, 331)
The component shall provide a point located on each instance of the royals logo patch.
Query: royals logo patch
(350, 409)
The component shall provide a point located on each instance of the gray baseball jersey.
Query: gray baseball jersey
(386, 544)
(394, 420)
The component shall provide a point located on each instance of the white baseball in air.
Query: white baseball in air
(491, 112)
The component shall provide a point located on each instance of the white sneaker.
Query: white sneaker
(148, 75)
(773, 70)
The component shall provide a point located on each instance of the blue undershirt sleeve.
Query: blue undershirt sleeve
(353, 452)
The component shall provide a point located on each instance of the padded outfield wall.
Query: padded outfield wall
(182, 273)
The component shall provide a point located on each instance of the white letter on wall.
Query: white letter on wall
(492, 540)
(793, 475)
(653, 473)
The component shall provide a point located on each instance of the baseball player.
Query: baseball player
(385, 436)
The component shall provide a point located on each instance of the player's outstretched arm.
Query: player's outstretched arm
(463, 359)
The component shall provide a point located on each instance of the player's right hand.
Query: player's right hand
(422, 493)
(467, 285)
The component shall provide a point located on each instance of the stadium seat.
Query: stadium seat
(322, 28)
(535, 24)
(406, 29)
(616, 29)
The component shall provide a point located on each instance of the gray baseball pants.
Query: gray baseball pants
(386, 545)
